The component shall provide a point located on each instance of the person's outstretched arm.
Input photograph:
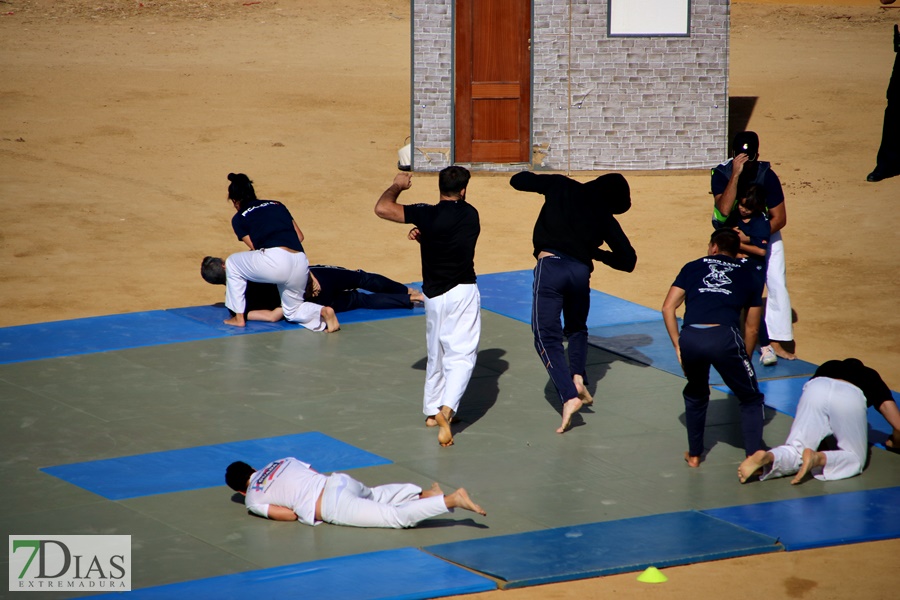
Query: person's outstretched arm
(891, 414)
(387, 207)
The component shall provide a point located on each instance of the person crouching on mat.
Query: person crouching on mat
(833, 403)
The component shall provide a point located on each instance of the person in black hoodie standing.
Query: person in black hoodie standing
(575, 220)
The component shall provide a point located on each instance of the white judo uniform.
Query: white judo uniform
(289, 271)
(294, 484)
(827, 407)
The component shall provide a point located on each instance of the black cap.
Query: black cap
(746, 142)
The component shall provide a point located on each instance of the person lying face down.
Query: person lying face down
(289, 489)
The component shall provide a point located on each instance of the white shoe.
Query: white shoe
(768, 357)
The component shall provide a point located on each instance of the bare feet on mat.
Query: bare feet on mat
(331, 321)
(460, 499)
(415, 296)
(811, 460)
(781, 351)
(569, 408)
(236, 321)
(434, 491)
(583, 394)
(445, 436)
(752, 464)
(692, 461)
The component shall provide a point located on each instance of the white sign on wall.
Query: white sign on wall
(649, 17)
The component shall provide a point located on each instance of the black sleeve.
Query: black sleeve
(621, 255)
(526, 181)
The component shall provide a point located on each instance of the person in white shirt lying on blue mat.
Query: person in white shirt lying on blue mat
(834, 403)
(289, 489)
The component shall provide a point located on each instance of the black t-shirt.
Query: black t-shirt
(853, 371)
(716, 290)
(449, 231)
(268, 223)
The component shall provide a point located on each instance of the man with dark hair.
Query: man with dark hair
(834, 403)
(335, 287)
(291, 490)
(447, 233)
(575, 220)
(729, 183)
(715, 290)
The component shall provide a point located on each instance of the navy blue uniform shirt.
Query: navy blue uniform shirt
(717, 288)
(268, 223)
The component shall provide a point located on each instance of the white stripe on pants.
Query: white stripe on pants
(452, 332)
(827, 406)
(289, 271)
(779, 320)
(346, 501)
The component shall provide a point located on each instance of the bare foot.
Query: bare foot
(692, 461)
(780, 352)
(754, 463)
(583, 394)
(445, 436)
(569, 408)
(430, 421)
(434, 491)
(811, 459)
(415, 296)
(236, 321)
(331, 321)
(460, 499)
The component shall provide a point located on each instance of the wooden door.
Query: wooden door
(493, 81)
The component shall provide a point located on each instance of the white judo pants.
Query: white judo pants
(346, 501)
(452, 332)
(779, 320)
(827, 406)
(289, 271)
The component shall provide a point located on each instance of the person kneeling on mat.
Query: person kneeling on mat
(833, 403)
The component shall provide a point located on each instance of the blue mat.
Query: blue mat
(98, 334)
(214, 315)
(135, 330)
(595, 549)
(406, 573)
(164, 472)
(648, 343)
(821, 521)
(509, 294)
(784, 394)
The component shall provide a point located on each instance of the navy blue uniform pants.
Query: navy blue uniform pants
(561, 287)
(340, 289)
(721, 347)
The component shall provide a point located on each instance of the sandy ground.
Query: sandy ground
(121, 119)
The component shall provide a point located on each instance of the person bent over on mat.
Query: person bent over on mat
(715, 290)
(289, 489)
(833, 403)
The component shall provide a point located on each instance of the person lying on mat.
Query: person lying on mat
(334, 287)
(833, 403)
(289, 489)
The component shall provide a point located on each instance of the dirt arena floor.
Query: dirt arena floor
(122, 118)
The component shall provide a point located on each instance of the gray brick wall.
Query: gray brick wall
(637, 103)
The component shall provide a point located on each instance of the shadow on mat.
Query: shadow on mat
(723, 423)
(435, 523)
(483, 390)
(626, 346)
